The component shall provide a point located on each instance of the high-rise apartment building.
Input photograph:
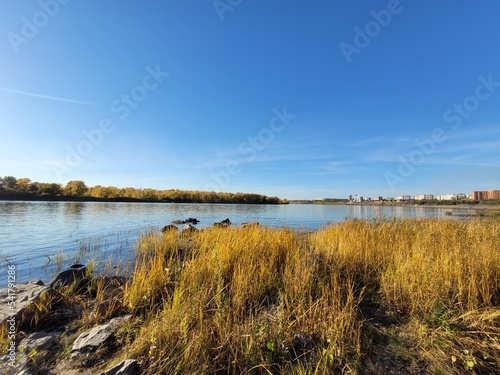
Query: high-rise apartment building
(423, 197)
(486, 195)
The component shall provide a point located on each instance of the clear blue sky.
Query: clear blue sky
(300, 99)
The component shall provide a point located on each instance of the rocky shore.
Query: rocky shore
(51, 328)
(76, 324)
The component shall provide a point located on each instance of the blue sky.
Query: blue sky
(300, 99)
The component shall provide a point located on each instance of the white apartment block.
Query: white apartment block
(357, 199)
(402, 198)
(451, 197)
(422, 197)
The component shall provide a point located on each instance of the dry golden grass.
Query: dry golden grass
(231, 300)
(420, 296)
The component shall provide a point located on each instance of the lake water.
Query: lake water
(40, 237)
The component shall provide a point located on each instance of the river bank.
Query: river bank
(385, 296)
(202, 197)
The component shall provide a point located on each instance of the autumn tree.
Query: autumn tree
(23, 185)
(105, 192)
(8, 183)
(49, 189)
(130, 192)
(149, 194)
(75, 188)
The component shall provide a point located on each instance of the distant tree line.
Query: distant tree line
(23, 188)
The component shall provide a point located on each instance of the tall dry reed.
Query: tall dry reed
(264, 300)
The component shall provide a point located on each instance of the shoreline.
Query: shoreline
(481, 205)
(269, 280)
(113, 200)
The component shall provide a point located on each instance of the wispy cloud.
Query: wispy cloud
(466, 133)
(452, 152)
(341, 167)
(378, 140)
(35, 95)
(473, 147)
(479, 147)
(279, 152)
(335, 167)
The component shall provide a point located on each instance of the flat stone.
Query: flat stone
(15, 300)
(19, 367)
(90, 340)
(39, 341)
(127, 367)
(38, 282)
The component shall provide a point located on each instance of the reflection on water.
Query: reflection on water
(37, 235)
(74, 208)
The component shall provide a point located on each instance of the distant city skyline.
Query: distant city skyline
(474, 195)
(292, 99)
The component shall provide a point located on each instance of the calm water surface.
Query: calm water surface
(39, 237)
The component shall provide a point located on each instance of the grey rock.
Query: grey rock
(302, 342)
(17, 367)
(14, 301)
(127, 367)
(224, 223)
(190, 220)
(111, 290)
(39, 341)
(90, 340)
(169, 228)
(76, 274)
(37, 282)
(303, 351)
(188, 228)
